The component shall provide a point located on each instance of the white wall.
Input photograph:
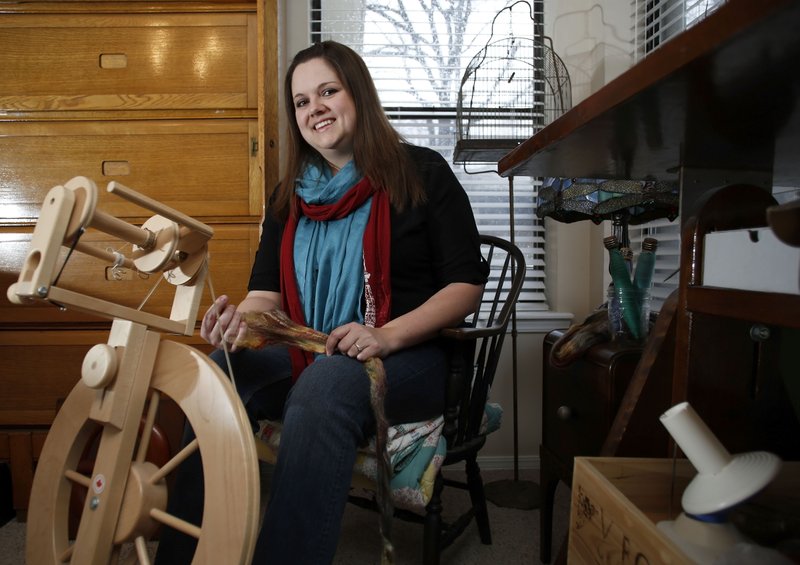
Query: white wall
(593, 39)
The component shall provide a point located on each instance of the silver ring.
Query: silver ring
(360, 349)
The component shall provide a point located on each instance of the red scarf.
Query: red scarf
(376, 244)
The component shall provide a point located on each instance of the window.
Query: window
(417, 51)
(656, 22)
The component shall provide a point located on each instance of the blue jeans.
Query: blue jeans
(326, 416)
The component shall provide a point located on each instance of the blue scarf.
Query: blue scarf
(328, 255)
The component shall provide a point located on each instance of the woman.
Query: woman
(372, 241)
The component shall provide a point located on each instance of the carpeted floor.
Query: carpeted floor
(515, 534)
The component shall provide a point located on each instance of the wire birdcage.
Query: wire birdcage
(511, 89)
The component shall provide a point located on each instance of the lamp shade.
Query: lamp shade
(576, 199)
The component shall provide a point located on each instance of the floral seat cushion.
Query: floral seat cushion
(416, 452)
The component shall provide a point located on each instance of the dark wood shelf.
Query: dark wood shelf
(720, 96)
(768, 308)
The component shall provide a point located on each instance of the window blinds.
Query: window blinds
(417, 51)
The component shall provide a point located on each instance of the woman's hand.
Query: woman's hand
(222, 323)
(358, 341)
(445, 309)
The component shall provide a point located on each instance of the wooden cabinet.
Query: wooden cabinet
(579, 403)
(176, 100)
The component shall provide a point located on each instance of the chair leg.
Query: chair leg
(431, 548)
(478, 498)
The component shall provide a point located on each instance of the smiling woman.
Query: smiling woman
(370, 241)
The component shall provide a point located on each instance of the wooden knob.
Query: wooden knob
(564, 413)
(99, 366)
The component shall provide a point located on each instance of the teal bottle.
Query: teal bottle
(624, 289)
(645, 264)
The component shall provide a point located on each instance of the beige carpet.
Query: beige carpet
(515, 534)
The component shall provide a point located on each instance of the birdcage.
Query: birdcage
(511, 89)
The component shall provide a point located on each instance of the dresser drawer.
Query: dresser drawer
(119, 61)
(204, 168)
(231, 250)
(580, 401)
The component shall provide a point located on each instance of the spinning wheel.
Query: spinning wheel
(122, 384)
(231, 496)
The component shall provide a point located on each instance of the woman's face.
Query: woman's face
(324, 110)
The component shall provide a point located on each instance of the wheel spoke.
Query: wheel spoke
(177, 523)
(152, 411)
(66, 556)
(170, 465)
(78, 478)
(141, 551)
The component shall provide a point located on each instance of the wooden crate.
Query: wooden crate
(617, 502)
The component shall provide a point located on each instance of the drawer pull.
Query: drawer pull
(564, 413)
(116, 168)
(113, 60)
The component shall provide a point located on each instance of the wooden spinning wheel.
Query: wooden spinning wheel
(122, 383)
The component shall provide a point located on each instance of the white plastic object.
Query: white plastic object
(722, 480)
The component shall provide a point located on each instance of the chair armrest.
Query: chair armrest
(465, 334)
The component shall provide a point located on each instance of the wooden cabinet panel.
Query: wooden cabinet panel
(41, 367)
(741, 383)
(174, 99)
(231, 250)
(203, 168)
(128, 61)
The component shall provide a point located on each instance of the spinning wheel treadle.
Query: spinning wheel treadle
(122, 384)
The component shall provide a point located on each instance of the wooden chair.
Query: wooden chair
(475, 354)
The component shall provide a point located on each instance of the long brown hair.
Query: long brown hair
(377, 147)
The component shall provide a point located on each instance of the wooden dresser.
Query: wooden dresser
(579, 402)
(176, 100)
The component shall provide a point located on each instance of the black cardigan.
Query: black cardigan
(432, 245)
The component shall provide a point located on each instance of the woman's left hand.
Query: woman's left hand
(358, 341)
